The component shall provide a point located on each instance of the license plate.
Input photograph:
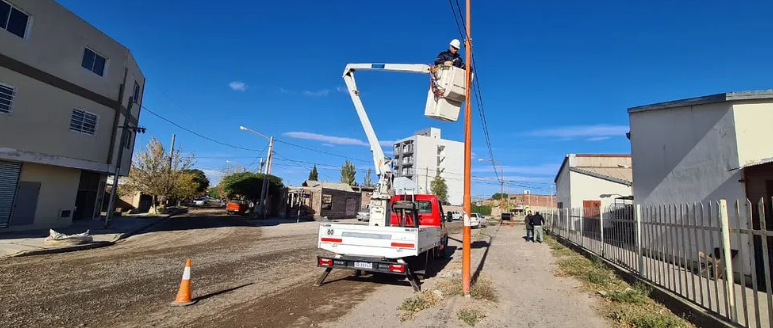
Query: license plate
(363, 265)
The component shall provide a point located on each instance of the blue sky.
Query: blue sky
(556, 76)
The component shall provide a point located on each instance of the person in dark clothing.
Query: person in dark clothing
(451, 56)
(529, 227)
(537, 221)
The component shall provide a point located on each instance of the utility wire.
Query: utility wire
(458, 20)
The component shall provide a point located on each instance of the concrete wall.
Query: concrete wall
(753, 132)
(58, 189)
(40, 107)
(47, 61)
(563, 188)
(685, 154)
(584, 187)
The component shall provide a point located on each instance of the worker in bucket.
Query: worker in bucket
(451, 56)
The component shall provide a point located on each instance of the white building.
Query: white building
(703, 149)
(64, 93)
(592, 180)
(425, 155)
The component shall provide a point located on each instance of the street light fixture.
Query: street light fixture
(264, 190)
(501, 182)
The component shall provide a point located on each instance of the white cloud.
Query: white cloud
(214, 176)
(238, 86)
(342, 89)
(283, 90)
(544, 169)
(597, 138)
(591, 131)
(330, 141)
(320, 93)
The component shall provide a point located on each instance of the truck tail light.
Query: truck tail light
(397, 268)
(325, 262)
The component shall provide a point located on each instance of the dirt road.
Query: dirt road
(243, 276)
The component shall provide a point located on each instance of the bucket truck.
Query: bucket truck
(404, 232)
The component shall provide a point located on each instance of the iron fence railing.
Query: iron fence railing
(685, 248)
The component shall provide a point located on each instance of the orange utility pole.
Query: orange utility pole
(467, 162)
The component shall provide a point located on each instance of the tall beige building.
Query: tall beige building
(64, 93)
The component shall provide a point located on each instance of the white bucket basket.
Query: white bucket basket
(446, 107)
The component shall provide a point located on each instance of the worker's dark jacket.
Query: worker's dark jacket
(448, 56)
(529, 226)
(537, 220)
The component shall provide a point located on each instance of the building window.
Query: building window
(7, 93)
(83, 122)
(93, 62)
(136, 92)
(127, 140)
(13, 20)
(327, 201)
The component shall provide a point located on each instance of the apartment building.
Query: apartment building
(424, 155)
(64, 94)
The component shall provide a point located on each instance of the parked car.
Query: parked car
(200, 202)
(477, 220)
(456, 216)
(237, 206)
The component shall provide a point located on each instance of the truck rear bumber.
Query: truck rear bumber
(378, 242)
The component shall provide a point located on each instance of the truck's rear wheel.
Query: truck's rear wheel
(442, 253)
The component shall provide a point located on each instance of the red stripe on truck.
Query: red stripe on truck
(331, 240)
(402, 245)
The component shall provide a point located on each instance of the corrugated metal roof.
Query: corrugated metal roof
(712, 99)
(328, 185)
(622, 175)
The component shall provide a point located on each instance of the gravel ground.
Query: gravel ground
(242, 275)
(528, 293)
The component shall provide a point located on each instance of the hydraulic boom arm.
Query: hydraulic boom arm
(379, 201)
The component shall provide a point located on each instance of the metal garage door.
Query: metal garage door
(9, 177)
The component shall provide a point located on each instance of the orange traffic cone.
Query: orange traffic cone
(184, 294)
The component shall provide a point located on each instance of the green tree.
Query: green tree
(249, 185)
(482, 209)
(348, 172)
(497, 196)
(202, 183)
(314, 175)
(366, 181)
(439, 188)
(152, 174)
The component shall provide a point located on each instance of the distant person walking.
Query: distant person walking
(529, 227)
(537, 221)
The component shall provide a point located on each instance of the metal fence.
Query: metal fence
(684, 248)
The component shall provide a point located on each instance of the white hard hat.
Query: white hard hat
(455, 43)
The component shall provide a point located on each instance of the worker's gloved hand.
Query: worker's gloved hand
(448, 63)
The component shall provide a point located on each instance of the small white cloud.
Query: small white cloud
(341, 89)
(238, 86)
(283, 90)
(320, 93)
(582, 131)
(544, 169)
(597, 138)
(325, 138)
(331, 141)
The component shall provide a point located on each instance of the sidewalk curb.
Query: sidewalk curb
(97, 244)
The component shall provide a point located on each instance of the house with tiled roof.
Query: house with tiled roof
(588, 180)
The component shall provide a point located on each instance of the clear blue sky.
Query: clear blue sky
(557, 76)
